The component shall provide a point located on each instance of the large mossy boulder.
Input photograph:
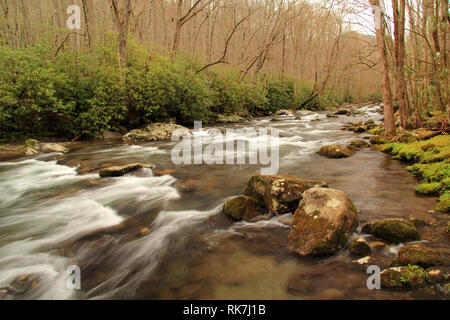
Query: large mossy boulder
(243, 208)
(394, 230)
(118, 171)
(156, 132)
(280, 193)
(323, 222)
(404, 277)
(419, 255)
(336, 152)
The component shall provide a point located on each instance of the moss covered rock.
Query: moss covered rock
(358, 144)
(243, 208)
(279, 193)
(444, 202)
(393, 230)
(404, 277)
(336, 152)
(419, 255)
(359, 247)
(323, 222)
(378, 140)
(428, 189)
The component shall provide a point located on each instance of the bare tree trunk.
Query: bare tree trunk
(122, 22)
(400, 53)
(389, 124)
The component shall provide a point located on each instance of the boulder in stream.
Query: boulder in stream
(118, 171)
(243, 208)
(358, 144)
(394, 230)
(419, 255)
(53, 147)
(280, 193)
(359, 247)
(156, 132)
(323, 222)
(336, 152)
(404, 277)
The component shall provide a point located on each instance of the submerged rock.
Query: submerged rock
(243, 208)
(404, 277)
(156, 132)
(359, 247)
(394, 230)
(419, 255)
(280, 193)
(336, 152)
(118, 171)
(438, 274)
(323, 222)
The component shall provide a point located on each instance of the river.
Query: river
(54, 213)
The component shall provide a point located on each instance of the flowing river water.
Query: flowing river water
(54, 213)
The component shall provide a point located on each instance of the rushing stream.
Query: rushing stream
(54, 213)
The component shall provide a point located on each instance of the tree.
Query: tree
(122, 15)
(387, 94)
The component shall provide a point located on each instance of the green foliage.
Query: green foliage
(279, 95)
(79, 93)
(70, 95)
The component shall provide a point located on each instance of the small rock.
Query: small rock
(359, 247)
(362, 261)
(336, 152)
(187, 186)
(118, 171)
(358, 144)
(378, 140)
(438, 274)
(243, 208)
(163, 172)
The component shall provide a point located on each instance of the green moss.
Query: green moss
(444, 202)
(393, 230)
(429, 151)
(413, 275)
(428, 188)
(431, 172)
(376, 130)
